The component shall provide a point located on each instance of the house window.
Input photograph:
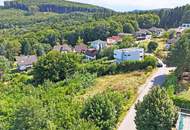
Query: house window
(129, 55)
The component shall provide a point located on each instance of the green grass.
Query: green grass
(123, 83)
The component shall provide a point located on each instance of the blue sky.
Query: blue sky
(127, 5)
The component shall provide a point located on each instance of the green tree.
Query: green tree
(55, 66)
(13, 48)
(104, 109)
(180, 55)
(30, 115)
(4, 66)
(26, 48)
(128, 28)
(156, 111)
(128, 41)
(80, 40)
(152, 46)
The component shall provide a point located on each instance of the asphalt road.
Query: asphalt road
(157, 78)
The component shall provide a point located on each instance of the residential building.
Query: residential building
(63, 48)
(143, 34)
(186, 25)
(125, 34)
(81, 48)
(25, 62)
(91, 54)
(129, 54)
(170, 42)
(113, 40)
(156, 31)
(98, 44)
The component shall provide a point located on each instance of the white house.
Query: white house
(98, 44)
(129, 54)
(186, 25)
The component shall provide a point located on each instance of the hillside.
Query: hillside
(57, 6)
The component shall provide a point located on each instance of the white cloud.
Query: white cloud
(136, 4)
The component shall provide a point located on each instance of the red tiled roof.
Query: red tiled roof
(116, 38)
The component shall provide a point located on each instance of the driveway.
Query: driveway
(157, 78)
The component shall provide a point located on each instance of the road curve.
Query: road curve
(157, 78)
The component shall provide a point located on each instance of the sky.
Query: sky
(128, 5)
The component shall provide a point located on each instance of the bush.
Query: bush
(181, 102)
(103, 67)
(103, 109)
(55, 66)
(156, 111)
(152, 46)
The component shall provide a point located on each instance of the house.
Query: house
(125, 34)
(156, 31)
(170, 42)
(98, 44)
(113, 40)
(185, 26)
(91, 54)
(129, 54)
(25, 62)
(179, 32)
(143, 34)
(81, 48)
(63, 48)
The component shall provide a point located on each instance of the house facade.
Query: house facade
(157, 31)
(91, 54)
(143, 34)
(98, 44)
(25, 62)
(129, 54)
(113, 40)
(186, 25)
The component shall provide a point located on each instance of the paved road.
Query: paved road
(157, 79)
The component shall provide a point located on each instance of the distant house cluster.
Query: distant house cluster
(91, 51)
(178, 33)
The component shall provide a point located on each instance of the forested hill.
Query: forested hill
(174, 17)
(57, 6)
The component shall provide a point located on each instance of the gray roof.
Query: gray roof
(172, 41)
(81, 48)
(155, 29)
(98, 42)
(142, 31)
(63, 47)
(26, 60)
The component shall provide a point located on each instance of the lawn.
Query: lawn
(120, 82)
(123, 83)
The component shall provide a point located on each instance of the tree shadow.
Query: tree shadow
(159, 80)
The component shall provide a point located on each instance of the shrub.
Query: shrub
(156, 111)
(152, 46)
(55, 66)
(104, 109)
